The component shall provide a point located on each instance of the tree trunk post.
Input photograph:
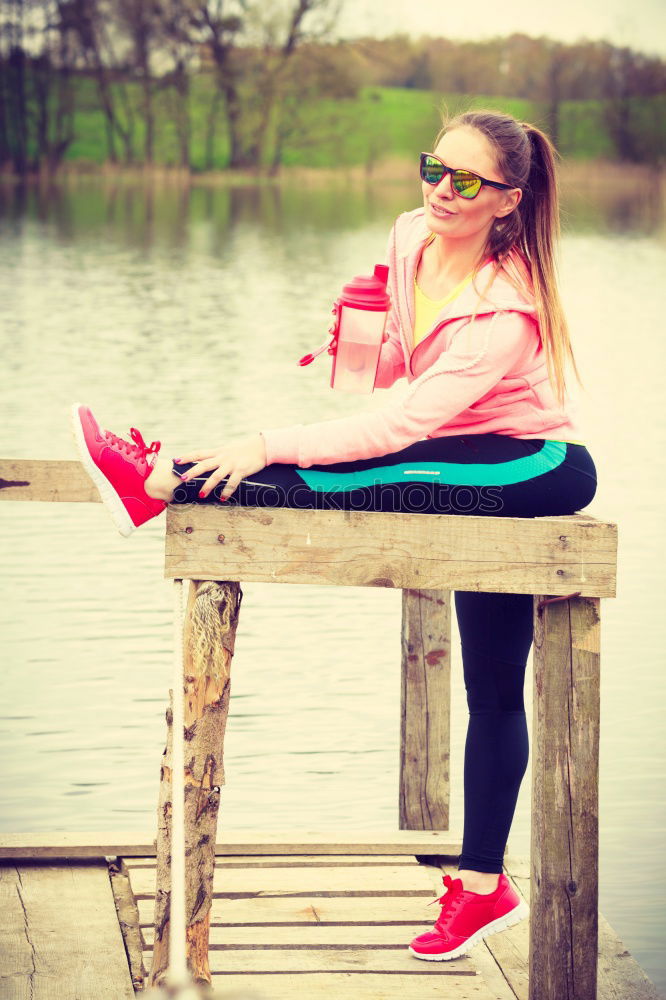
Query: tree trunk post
(425, 710)
(565, 800)
(209, 633)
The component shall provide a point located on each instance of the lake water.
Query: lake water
(183, 312)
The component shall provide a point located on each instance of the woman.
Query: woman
(477, 329)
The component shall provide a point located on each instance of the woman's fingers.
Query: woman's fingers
(205, 465)
(231, 486)
(194, 456)
(212, 482)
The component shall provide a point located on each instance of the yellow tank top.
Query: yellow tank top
(426, 310)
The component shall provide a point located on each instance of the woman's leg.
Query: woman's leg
(496, 635)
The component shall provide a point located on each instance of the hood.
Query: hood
(510, 290)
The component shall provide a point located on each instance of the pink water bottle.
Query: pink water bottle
(357, 332)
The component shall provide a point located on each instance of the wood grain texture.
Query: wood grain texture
(565, 797)
(128, 921)
(50, 481)
(231, 843)
(350, 986)
(425, 726)
(211, 620)
(60, 935)
(555, 555)
(275, 911)
(306, 880)
(331, 960)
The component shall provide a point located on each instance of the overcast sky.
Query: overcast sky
(640, 24)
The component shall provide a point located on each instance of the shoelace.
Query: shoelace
(451, 898)
(137, 450)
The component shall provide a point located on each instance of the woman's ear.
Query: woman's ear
(510, 201)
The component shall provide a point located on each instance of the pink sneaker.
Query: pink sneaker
(118, 469)
(468, 917)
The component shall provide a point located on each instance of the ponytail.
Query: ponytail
(540, 217)
(526, 160)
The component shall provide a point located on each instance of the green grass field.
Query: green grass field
(380, 123)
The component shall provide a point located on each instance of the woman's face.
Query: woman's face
(449, 215)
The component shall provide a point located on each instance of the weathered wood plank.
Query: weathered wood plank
(425, 726)
(565, 800)
(351, 986)
(294, 861)
(312, 935)
(62, 937)
(307, 880)
(492, 972)
(274, 910)
(51, 481)
(555, 555)
(128, 921)
(41, 846)
(358, 960)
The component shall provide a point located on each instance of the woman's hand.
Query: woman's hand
(235, 460)
(333, 346)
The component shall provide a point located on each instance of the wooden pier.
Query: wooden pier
(330, 915)
(320, 918)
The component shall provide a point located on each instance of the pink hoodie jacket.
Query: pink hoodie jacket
(480, 370)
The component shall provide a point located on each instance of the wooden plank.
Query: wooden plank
(299, 861)
(128, 921)
(61, 941)
(312, 935)
(491, 972)
(425, 726)
(51, 481)
(302, 910)
(554, 555)
(350, 986)
(230, 843)
(17, 959)
(565, 799)
(357, 960)
(355, 881)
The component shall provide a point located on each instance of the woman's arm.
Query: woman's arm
(459, 377)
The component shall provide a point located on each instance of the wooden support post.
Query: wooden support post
(210, 625)
(425, 710)
(565, 796)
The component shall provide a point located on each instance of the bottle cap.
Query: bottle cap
(368, 291)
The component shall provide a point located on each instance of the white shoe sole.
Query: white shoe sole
(518, 913)
(110, 498)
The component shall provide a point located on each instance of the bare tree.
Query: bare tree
(177, 30)
(38, 95)
(141, 19)
(251, 44)
(90, 21)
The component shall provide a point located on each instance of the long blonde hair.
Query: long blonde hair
(526, 160)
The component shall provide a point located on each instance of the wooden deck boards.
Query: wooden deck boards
(318, 925)
(322, 927)
(59, 934)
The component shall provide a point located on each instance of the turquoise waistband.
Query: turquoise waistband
(518, 470)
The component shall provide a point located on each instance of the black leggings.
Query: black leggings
(481, 474)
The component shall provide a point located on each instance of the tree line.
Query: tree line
(131, 65)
